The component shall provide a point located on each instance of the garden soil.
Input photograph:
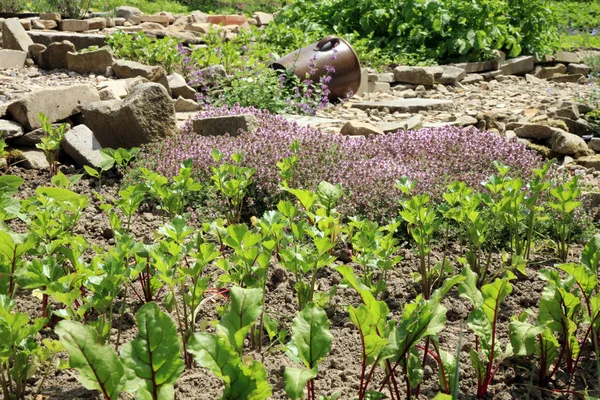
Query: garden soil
(340, 371)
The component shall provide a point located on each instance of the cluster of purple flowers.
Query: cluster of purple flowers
(367, 168)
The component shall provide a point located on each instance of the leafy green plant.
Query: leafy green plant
(149, 364)
(106, 165)
(50, 143)
(232, 181)
(9, 205)
(310, 344)
(173, 194)
(423, 221)
(487, 354)
(221, 353)
(3, 146)
(19, 351)
(565, 203)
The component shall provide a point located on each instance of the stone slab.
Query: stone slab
(79, 40)
(14, 36)
(404, 105)
(81, 145)
(12, 58)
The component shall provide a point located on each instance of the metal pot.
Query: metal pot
(329, 51)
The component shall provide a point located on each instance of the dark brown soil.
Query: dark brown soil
(340, 371)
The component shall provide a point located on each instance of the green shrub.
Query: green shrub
(11, 6)
(442, 30)
(577, 15)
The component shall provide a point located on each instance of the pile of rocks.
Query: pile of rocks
(50, 27)
(560, 67)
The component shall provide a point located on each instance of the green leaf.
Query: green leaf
(523, 337)
(153, 355)
(311, 336)
(91, 171)
(590, 257)
(468, 288)
(98, 365)
(246, 305)
(296, 379)
(306, 197)
(241, 382)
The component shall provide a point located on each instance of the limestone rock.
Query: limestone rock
(91, 62)
(131, 69)
(129, 13)
(536, 131)
(451, 75)
(547, 71)
(80, 40)
(186, 105)
(356, 128)
(74, 25)
(573, 69)
(567, 78)
(34, 159)
(96, 23)
(595, 144)
(579, 127)
(159, 19)
(81, 145)
(14, 36)
(50, 16)
(10, 129)
(44, 24)
(568, 144)
(566, 57)
(145, 115)
(472, 78)
(107, 94)
(591, 161)
(262, 18)
(55, 56)
(35, 50)
(57, 103)
(12, 58)
(200, 27)
(518, 66)
(231, 124)
(414, 75)
(179, 87)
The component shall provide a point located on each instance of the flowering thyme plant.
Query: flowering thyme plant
(367, 168)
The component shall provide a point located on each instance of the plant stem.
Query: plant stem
(121, 317)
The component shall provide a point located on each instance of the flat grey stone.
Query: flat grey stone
(10, 129)
(12, 58)
(79, 40)
(14, 36)
(404, 105)
(81, 145)
(34, 159)
(232, 124)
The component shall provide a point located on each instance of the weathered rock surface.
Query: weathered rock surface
(186, 105)
(568, 144)
(14, 36)
(130, 69)
(451, 75)
(592, 161)
(81, 145)
(12, 58)
(74, 25)
(10, 129)
(91, 62)
(145, 115)
(536, 131)
(355, 128)
(179, 87)
(56, 103)
(129, 13)
(44, 24)
(414, 75)
(34, 159)
(55, 55)
(518, 66)
(80, 40)
(232, 125)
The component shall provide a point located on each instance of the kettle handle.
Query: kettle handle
(325, 40)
